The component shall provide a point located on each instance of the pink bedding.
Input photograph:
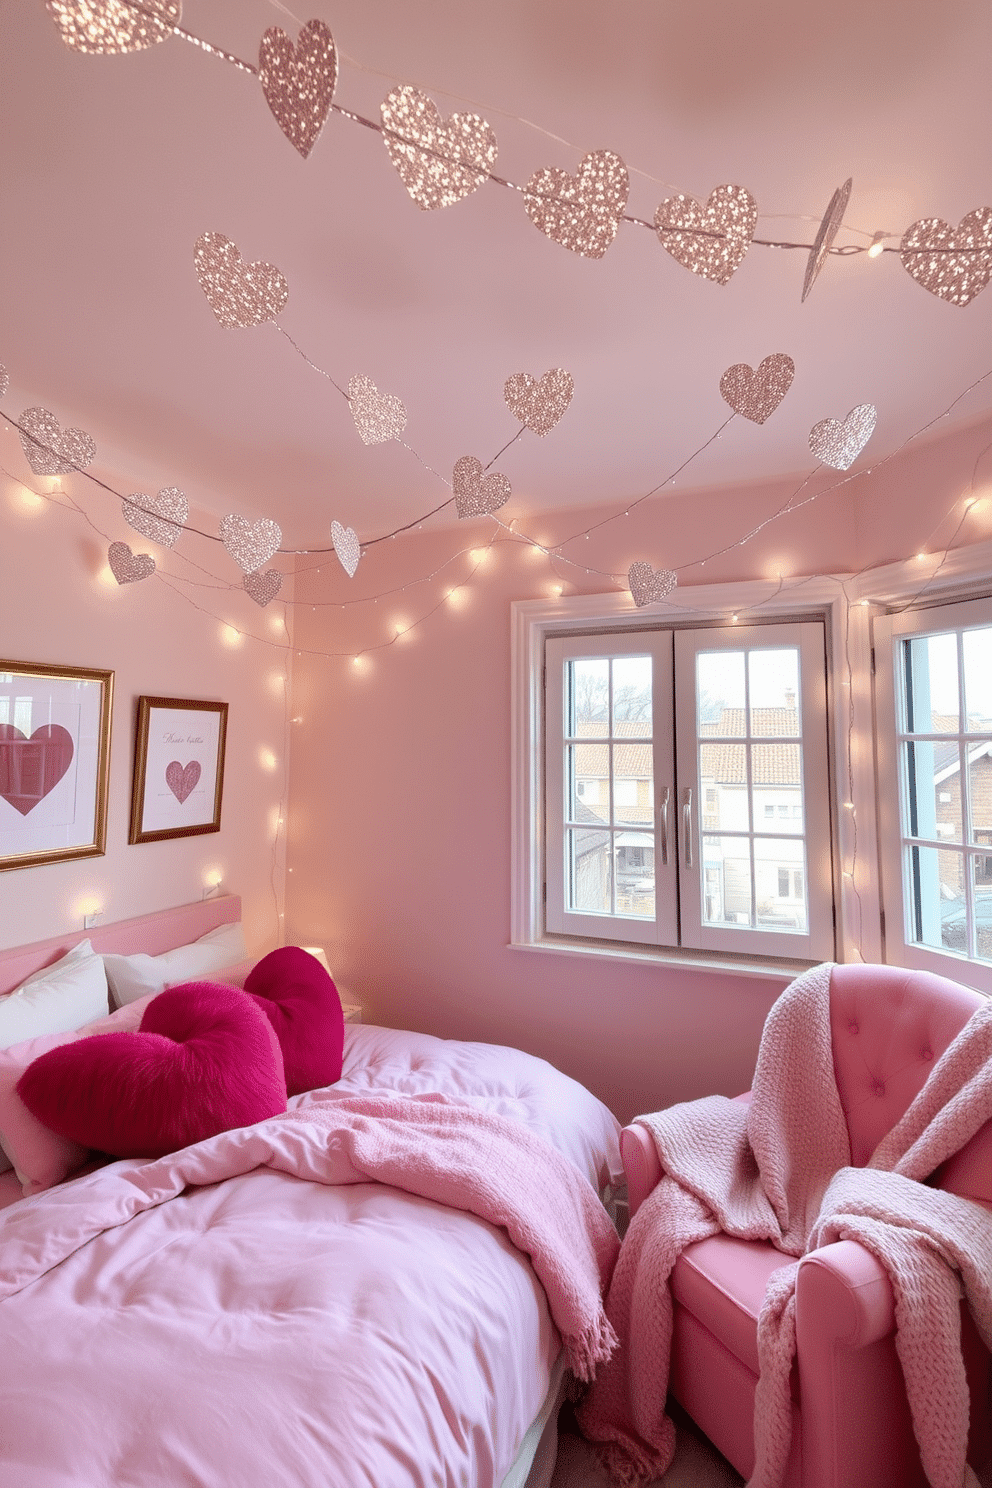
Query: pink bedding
(272, 1330)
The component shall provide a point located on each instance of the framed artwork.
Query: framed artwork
(54, 763)
(178, 768)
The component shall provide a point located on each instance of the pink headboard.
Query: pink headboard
(152, 933)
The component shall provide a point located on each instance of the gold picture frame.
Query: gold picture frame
(178, 780)
(54, 762)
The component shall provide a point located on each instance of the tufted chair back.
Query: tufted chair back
(889, 1027)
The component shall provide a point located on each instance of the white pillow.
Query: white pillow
(56, 999)
(131, 977)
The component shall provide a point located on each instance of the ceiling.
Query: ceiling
(113, 167)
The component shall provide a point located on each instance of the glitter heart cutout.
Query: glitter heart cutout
(160, 517)
(581, 212)
(31, 768)
(240, 294)
(347, 547)
(476, 494)
(378, 416)
(112, 27)
(262, 587)
(953, 263)
(298, 82)
(710, 240)
(250, 544)
(50, 449)
(539, 405)
(182, 781)
(828, 229)
(755, 394)
(128, 567)
(438, 162)
(839, 444)
(4, 380)
(650, 585)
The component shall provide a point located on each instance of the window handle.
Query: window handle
(687, 825)
(663, 813)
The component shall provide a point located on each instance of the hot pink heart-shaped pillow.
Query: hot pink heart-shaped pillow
(302, 1003)
(204, 1060)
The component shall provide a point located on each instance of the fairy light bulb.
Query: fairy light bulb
(877, 247)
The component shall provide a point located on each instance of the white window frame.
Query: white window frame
(889, 633)
(850, 602)
(833, 598)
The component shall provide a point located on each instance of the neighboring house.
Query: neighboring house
(728, 833)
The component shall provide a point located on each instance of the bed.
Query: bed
(263, 1327)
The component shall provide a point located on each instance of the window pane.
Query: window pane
(932, 685)
(726, 874)
(773, 678)
(933, 789)
(587, 694)
(587, 771)
(980, 792)
(723, 780)
(633, 784)
(588, 871)
(978, 679)
(982, 901)
(632, 697)
(937, 903)
(720, 694)
(776, 781)
(780, 885)
(635, 873)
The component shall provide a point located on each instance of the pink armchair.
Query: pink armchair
(851, 1421)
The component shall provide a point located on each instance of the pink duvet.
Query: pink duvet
(271, 1330)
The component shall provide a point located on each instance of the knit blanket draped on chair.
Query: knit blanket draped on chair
(779, 1170)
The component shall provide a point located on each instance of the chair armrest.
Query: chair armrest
(640, 1163)
(843, 1296)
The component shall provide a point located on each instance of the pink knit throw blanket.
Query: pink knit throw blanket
(486, 1164)
(778, 1170)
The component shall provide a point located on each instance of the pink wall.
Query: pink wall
(56, 605)
(400, 806)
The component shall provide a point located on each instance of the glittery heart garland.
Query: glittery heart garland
(539, 405)
(825, 234)
(347, 547)
(128, 567)
(298, 82)
(250, 544)
(650, 585)
(954, 263)
(161, 517)
(50, 449)
(378, 416)
(439, 163)
(839, 444)
(581, 212)
(262, 587)
(710, 240)
(755, 394)
(4, 380)
(240, 294)
(112, 27)
(476, 494)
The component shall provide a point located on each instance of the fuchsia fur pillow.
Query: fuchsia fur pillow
(302, 1003)
(204, 1060)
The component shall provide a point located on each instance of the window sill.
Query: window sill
(695, 961)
